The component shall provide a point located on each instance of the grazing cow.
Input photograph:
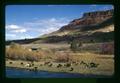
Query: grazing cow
(50, 65)
(75, 63)
(21, 63)
(27, 65)
(10, 62)
(82, 62)
(93, 65)
(71, 69)
(46, 63)
(59, 65)
(32, 64)
(67, 65)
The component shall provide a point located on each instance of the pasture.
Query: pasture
(88, 60)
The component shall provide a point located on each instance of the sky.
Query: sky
(31, 21)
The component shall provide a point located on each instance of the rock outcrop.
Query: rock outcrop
(90, 18)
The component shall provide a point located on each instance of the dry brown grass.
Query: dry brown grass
(105, 61)
(20, 53)
(62, 56)
(105, 67)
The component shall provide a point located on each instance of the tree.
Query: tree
(73, 45)
(80, 44)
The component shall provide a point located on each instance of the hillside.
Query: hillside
(87, 28)
(93, 26)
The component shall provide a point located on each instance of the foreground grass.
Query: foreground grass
(106, 65)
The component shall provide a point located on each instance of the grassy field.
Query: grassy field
(105, 67)
(85, 61)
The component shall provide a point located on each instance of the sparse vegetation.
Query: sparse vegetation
(62, 57)
(62, 60)
(17, 52)
(92, 64)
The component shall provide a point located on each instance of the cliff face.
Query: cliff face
(90, 18)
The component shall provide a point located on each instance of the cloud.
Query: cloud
(44, 26)
(12, 26)
(15, 28)
(19, 30)
(34, 28)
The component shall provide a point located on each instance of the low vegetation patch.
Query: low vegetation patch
(63, 57)
(17, 52)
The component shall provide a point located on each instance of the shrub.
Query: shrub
(15, 45)
(17, 52)
(75, 45)
(107, 48)
(62, 57)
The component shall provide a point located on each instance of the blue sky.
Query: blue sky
(29, 21)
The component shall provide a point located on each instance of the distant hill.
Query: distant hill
(23, 41)
(95, 26)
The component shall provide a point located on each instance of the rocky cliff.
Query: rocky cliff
(88, 19)
(97, 26)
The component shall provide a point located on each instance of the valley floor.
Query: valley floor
(82, 60)
(105, 67)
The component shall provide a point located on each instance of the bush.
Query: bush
(17, 52)
(62, 57)
(15, 46)
(75, 45)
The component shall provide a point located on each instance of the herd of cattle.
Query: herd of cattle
(69, 65)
